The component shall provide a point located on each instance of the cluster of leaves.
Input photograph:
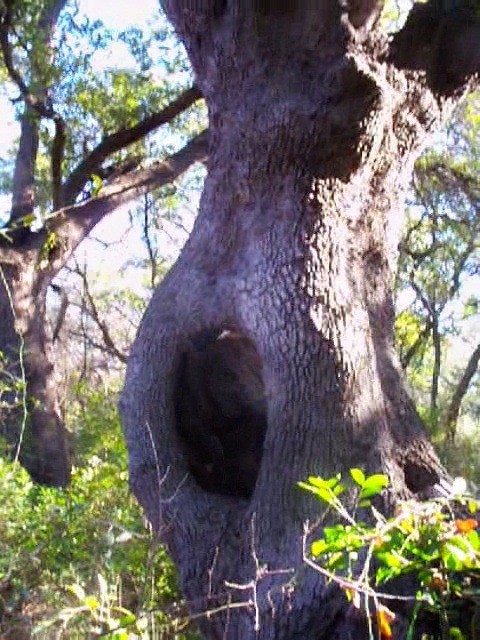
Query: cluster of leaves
(80, 562)
(424, 540)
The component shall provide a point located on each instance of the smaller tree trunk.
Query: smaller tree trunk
(29, 417)
(461, 389)
(437, 348)
(23, 177)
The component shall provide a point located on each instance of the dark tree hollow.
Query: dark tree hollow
(221, 411)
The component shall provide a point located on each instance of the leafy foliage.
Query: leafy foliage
(81, 560)
(426, 539)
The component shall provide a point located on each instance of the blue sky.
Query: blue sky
(118, 14)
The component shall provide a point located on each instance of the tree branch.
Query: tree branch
(72, 224)
(152, 253)
(443, 39)
(101, 324)
(60, 319)
(416, 346)
(427, 305)
(7, 256)
(458, 179)
(121, 139)
(23, 200)
(437, 360)
(46, 24)
(453, 411)
(58, 152)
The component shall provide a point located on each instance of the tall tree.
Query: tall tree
(440, 259)
(91, 145)
(282, 299)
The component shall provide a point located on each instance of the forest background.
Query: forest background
(81, 562)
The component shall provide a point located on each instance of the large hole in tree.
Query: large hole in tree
(221, 411)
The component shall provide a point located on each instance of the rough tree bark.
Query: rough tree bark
(315, 122)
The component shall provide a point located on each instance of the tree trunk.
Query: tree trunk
(29, 417)
(295, 247)
(23, 178)
(437, 361)
(453, 410)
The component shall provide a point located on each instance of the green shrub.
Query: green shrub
(428, 541)
(81, 561)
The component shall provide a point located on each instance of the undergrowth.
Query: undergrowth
(80, 562)
(429, 543)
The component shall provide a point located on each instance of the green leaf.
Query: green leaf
(28, 220)
(338, 490)
(473, 506)
(454, 557)
(373, 485)
(126, 620)
(332, 534)
(91, 602)
(333, 481)
(77, 591)
(364, 503)
(97, 184)
(384, 574)
(358, 476)
(317, 481)
(319, 547)
(322, 493)
(473, 538)
(337, 561)
(391, 560)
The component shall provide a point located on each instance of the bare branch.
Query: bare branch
(417, 345)
(60, 319)
(152, 253)
(121, 139)
(72, 224)
(426, 303)
(101, 324)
